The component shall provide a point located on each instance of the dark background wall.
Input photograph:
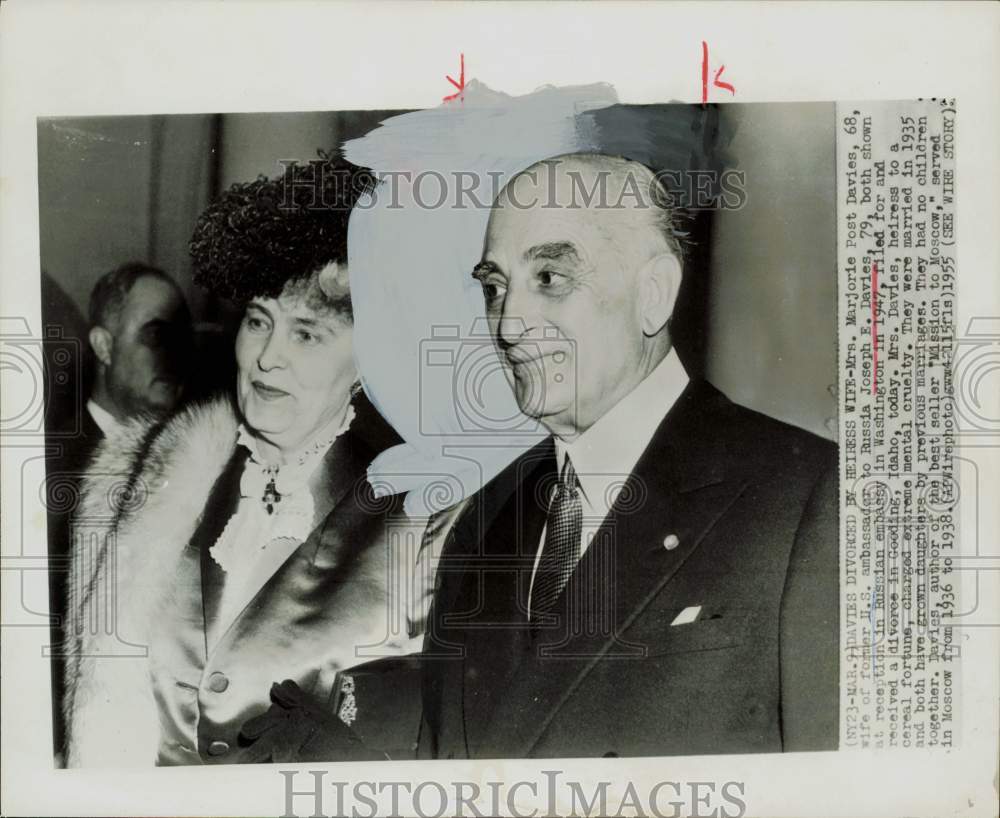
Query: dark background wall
(771, 312)
(116, 189)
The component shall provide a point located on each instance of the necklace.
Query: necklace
(296, 470)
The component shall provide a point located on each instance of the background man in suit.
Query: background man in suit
(660, 576)
(140, 334)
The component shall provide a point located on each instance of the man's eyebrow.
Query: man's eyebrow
(552, 250)
(485, 268)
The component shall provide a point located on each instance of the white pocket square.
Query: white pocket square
(686, 616)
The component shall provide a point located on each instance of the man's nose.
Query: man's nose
(273, 355)
(518, 317)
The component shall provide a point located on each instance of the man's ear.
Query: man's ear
(101, 342)
(659, 283)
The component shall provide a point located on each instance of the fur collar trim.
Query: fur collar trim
(123, 548)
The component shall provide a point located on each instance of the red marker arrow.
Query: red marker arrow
(725, 85)
(460, 85)
(716, 82)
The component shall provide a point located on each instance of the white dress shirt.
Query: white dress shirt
(605, 455)
(102, 417)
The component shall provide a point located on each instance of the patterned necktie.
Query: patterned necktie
(561, 551)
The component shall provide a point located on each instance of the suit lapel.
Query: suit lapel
(483, 527)
(488, 524)
(681, 486)
(496, 637)
(221, 505)
(343, 463)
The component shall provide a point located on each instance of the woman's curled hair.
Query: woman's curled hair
(260, 236)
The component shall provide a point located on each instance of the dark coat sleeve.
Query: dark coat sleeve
(810, 626)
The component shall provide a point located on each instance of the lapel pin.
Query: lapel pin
(670, 542)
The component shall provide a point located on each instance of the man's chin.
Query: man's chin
(553, 415)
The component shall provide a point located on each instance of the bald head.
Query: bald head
(622, 198)
(580, 271)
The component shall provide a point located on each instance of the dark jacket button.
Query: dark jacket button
(217, 748)
(610, 754)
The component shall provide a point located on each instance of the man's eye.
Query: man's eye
(548, 278)
(256, 323)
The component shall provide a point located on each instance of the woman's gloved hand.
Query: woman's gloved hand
(297, 728)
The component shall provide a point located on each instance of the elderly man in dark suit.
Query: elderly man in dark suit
(660, 575)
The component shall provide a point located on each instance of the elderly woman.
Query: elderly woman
(242, 544)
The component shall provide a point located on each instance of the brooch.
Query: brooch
(271, 493)
(348, 710)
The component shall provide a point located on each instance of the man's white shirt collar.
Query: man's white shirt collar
(102, 417)
(605, 455)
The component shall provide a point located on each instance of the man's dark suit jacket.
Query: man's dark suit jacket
(751, 505)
